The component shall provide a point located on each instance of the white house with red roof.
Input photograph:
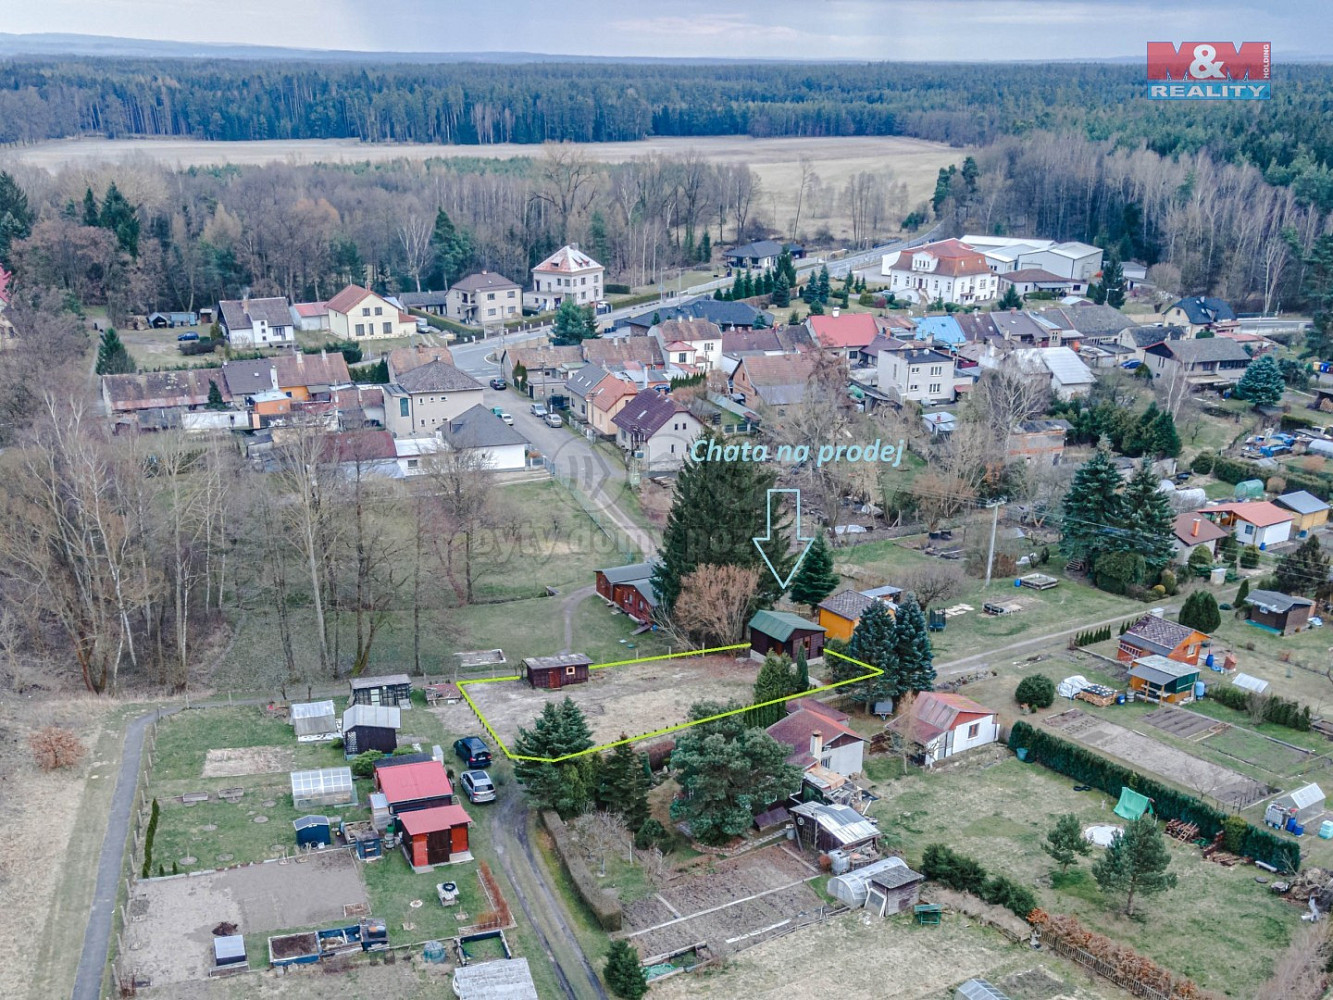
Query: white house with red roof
(311, 317)
(357, 313)
(943, 725)
(846, 335)
(1253, 522)
(820, 737)
(569, 273)
(949, 270)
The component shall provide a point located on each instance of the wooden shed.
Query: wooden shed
(370, 727)
(884, 887)
(419, 785)
(555, 672)
(1278, 612)
(390, 689)
(437, 836)
(785, 633)
(1159, 679)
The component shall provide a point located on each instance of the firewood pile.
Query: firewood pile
(1119, 963)
(1178, 828)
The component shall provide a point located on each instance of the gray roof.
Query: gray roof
(1301, 502)
(628, 574)
(1204, 309)
(1090, 319)
(502, 979)
(312, 710)
(1159, 670)
(483, 280)
(436, 376)
(844, 822)
(242, 314)
(847, 604)
(647, 413)
(1159, 634)
(1016, 326)
(1278, 603)
(926, 357)
(889, 872)
(377, 716)
(384, 680)
(759, 248)
(415, 300)
(1204, 349)
(585, 380)
(558, 661)
(723, 314)
(1066, 366)
(228, 947)
(478, 427)
(1146, 336)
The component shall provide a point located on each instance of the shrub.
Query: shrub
(1036, 690)
(54, 748)
(1168, 582)
(363, 764)
(1157, 590)
(651, 834)
(611, 288)
(1233, 833)
(957, 871)
(1249, 557)
(148, 836)
(1203, 463)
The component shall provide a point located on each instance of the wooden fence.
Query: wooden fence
(1107, 971)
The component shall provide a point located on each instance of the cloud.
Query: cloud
(707, 26)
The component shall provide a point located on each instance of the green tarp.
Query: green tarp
(1132, 805)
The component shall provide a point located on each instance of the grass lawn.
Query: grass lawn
(1218, 926)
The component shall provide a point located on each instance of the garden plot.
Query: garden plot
(1182, 724)
(235, 762)
(1259, 751)
(1145, 753)
(633, 699)
(725, 905)
(168, 937)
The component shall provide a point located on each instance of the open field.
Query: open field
(633, 699)
(776, 161)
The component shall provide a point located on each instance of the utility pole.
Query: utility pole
(995, 506)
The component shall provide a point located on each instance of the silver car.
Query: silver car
(477, 785)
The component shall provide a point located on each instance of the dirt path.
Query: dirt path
(568, 608)
(509, 832)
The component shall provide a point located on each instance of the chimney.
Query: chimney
(816, 744)
(273, 376)
(835, 312)
(1194, 528)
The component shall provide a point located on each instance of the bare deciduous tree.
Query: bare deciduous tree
(414, 234)
(933, 583)
(715, 602)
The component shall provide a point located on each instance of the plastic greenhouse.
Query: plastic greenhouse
(329, 786)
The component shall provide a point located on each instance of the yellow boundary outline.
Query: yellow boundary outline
(463, 686)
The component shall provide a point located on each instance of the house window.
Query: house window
(365, 311)
(402, 407)
(569, 671)
(934, 387)
(412, 463)
(360, 329)
(937, 369)
(510, 295)
(974, 730)
(490, 312)
(379, 310)
(913, 387)
(388, 328)
(490, 296)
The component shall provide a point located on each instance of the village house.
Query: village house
(840, 613)
(1040, 442)
(483, 299)
(786, 634)
(256, 322)
(1086, 322)
(605, 401)
(421, 400)
(1212, 361)
(948, 270)
(724, 315)
(1202, 312)
(657, 430)
(569, 273)
(1161, 679)
(1190, 531)
(555, 672)
(1137, 339)
(924, 376)
(629, 588)
(1277, 612)
(1307, 511)
(416, 785)
(1021, 329)
(172, 390)
(761, 255)
(479, 433)
(436, 836)
(357, 313)
(542, 369)
(1070, 377)
(310, 317)
(817, 740)
(360, 454)
(413, 455)
(430, 302)
(301, 376)
(621, 353)
(774, 380)
(1026, 280)
(1153, 635)
(689, 342)
(1254, 522)
(844, 335)
(404, 359)
(940, 725)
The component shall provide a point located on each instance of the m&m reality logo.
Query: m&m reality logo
(1209, 71)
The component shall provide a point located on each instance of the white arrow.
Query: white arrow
(768, 535)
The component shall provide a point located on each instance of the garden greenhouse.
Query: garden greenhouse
(329, 786)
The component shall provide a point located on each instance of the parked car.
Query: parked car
(553, 420)
(538, 410)
(477, 785)
(473, 752)
(188, 336)
(422, 326)
(499, 412)
(499, 383)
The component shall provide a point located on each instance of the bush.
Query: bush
(1233, 833)
(1263, 707)
(1293, 422)
(612, 288)
(363, 764)
(1203, 463)
(1168, 582)
(1037, 691)
(1249, 557)
(54, 748)
(957, 871)
(651, 834)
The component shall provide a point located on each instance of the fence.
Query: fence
(123, 975)
(1107, 971)
(806, 918)
(624, 544)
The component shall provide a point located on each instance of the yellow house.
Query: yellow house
(357, 313)
(840, 613)
(1307, 511)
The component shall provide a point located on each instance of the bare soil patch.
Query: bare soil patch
(1185, 725)
(235, 762)
(634, 699)
(169, 936)
(402, 980)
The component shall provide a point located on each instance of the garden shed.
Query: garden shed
(435, 836)
(312, 831)
(828, 828)
(370, 727)
(315, 721)
(885, 887)
(555, 672)
(785, 633)
(1304, 805)
(1162, 680)
(390, 689)
(328, 786)
(1277, 612)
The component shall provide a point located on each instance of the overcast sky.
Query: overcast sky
(787, 29)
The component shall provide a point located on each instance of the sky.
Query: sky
(896, 30)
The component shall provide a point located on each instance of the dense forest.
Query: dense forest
(1290, 137)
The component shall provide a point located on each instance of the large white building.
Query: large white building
(948, 270)
(569, 273)
(1073, 261)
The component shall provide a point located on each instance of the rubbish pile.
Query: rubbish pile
(1308, 882)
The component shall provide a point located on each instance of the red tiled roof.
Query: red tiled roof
(311, 308)
(1259, 513)
(413, 782)
(433, 820)
(954, 258)
(847, 330)
(1184, 528)
(347, 299)
(796, 729)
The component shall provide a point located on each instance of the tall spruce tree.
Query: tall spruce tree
(15, 214)
(624, 972)
(1136, 863)
(1200, 612)
(873, 642)
(1145, 520)
(776, 679)
(781, 291)
(621, 785)
(91, 211)
(705, 249)
(802, 682)
(573, 323)
(1011, 299)
(452, 248)
(215, 401)
(914, 659)
(815, 578)
(112, 356)
(569, 785)
(718, 509)
(121, 218)
(1091, 505)
(1166, 439)
(1262, 383)
(824, 288)
(1113, 280)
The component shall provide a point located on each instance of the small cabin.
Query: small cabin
(391, 689)
(1277, 612)
(418, 785)
(786, 634)
(1159, 679)
(370, 727)
(884, 887)
(555, 672)
(312, 831)
(437, 836)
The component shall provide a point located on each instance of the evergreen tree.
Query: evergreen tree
(1304, 571)
(91, 212)
(761, 322)
(621, 786)
(15, 215)
(1011, 299)
(943, 183)
(1262, 382)
(781, 292)
(573, 323)
(911, 645)
(719, 295)
(214, 397)
(1064, 841)
(452, 248)
(624, 973)
(823, 284)
(1200, 612)
(121, 218)
(112, 357)
(1136, 863)
(1097, 292)
(872, 642)
(815, 578)
(1166, 439)
(802, 682)
(566, 786)
(1090, 507)
(787, 266)
(717, 510)
(970, 173)
(816, 308)
(775, 679)
(1242, 592)
(705, 249)
(1145, 520)
(599, 243)
(1113, 280)
(747, 285)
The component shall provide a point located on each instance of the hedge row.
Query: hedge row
(605, 907)
(444, 323)
(1231, 470)
(1093, 636)
(1279, 711)
(958, 871)
(1088, 768)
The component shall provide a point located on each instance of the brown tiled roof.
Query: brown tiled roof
(612, 352)
(688, 330)
(610, 391)
(294, 370)
(1159, 632)
(846, 604)
(436, 376)
(778, 369)
(163, 389)
(241, 314)
(796, 729)
(354, 446)
(347, 299)
(404, 359)
(954, 259)
(647, 413)
(537, 358)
